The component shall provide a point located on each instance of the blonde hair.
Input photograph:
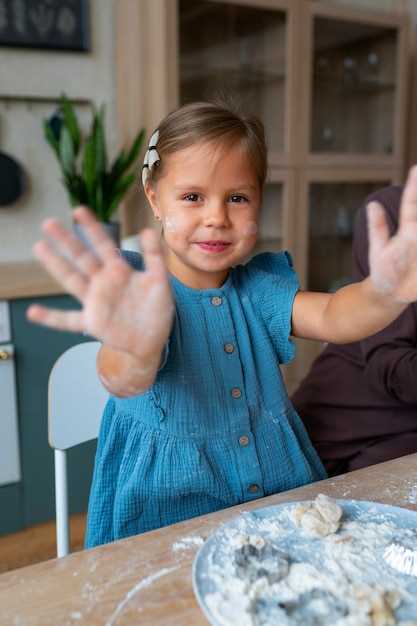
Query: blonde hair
(211, 122)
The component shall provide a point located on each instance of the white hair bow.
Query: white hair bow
(151, 157)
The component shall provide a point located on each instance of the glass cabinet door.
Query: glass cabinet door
(270, 232)
(331, 218)
(354, 87)
(238, 51)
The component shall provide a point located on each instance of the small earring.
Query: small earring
(157, 217)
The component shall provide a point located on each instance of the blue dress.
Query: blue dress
(217, 427)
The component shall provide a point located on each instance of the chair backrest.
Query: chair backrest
(76, 397)
(76, 400)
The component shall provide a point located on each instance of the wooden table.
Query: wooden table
(147, 579)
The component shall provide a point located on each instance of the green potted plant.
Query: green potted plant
(86, 174)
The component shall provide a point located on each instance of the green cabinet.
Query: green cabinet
(32, 500)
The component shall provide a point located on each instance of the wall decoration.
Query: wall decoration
(48, 24)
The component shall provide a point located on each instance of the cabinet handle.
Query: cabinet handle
(5, 355)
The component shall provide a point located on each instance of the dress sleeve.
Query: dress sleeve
(274, 284)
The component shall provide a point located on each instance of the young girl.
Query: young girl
(198, 418)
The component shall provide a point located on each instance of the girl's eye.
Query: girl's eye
(191, 197)
(238, 198)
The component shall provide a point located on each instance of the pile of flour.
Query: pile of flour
(268, 571)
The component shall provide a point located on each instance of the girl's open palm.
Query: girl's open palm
(125, 309)
(393, 260)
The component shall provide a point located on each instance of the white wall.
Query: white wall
(28, 76)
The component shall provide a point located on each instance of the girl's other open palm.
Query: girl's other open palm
(393, 260)
(127, 310)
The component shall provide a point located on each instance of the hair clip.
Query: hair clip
(151, 157)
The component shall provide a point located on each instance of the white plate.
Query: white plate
(213, 565)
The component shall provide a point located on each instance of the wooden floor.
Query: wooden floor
(37, 544)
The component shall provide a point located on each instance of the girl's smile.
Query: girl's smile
(213, 247)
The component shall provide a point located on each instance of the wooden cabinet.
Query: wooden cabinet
(328, 80)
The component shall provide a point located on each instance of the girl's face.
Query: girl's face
(208, 200)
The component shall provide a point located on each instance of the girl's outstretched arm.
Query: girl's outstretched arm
(130, 312)
(362, 309)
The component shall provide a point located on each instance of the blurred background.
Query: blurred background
(332, 80)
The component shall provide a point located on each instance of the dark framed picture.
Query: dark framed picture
(47, 24)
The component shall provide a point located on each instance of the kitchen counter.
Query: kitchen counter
(26, 279)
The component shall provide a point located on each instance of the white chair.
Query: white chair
(76, 400)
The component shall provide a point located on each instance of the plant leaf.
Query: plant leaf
(124, 183)
(66, 152)
(135, 149)
(99, 202)
(95, 186)
(89, 171)
(100, 142)
(118, 192)
(75, 187)
(50, 137)
(118, 166)
(71, 122)
(115, 185)
(114, 204)
(124, 161)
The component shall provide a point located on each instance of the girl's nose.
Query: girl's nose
(216, 215)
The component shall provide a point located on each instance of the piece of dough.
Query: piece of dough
(318, 518)
(379, 604)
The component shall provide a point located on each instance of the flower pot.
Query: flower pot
(111, 228)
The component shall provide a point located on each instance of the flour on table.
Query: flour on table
(186, 543)
(412, 495)
(283, 570)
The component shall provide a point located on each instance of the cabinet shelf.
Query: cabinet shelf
(244, 75)
(358, 87)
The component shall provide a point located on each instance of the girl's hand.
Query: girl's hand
(127, 310)
(393, 261)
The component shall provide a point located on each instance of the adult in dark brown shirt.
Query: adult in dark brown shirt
(359, 400)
